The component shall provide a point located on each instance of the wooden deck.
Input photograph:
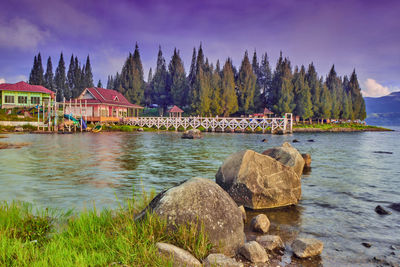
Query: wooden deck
(277, 125)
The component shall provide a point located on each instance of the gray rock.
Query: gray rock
(220, 260)
(270, 242)
(260, 223)
(140, 130)
(243, 211)
(200, 199)
(381, 211)
(18, 129)
(180, 257)
(307, 160)
(254, 252)
(307, 247)
(192, 134)
(288, 156)
(258, 181)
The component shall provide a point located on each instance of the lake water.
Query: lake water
(348, 180)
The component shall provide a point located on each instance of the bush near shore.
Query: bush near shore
(90, 238)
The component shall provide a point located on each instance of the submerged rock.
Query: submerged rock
(395, 206)
(258, 181)
(220, 260)
(366, 244)
(180, 257)
(200, 199)
(254, 252)
(307, 247)
(270, 242)
(307, 160)
(295, 141)
(264, 140)
(192, 134)
(287, 155)
(381, 211)
(260, 223)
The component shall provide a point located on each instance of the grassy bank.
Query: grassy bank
(91, 238)
(338, 127)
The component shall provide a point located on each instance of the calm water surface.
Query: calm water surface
(347, 180)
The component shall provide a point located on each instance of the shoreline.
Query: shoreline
(317, 128)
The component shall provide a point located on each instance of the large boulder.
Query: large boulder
(270, 242)
(288, 156)
(254, 252)
(220, 260)
(258, 181)
(200, 199)
(260, 223)
(178, 256)
(307, 247)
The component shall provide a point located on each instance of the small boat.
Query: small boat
(97, 128)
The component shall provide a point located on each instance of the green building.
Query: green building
(22, 94)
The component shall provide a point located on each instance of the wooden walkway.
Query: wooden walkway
(277, 125)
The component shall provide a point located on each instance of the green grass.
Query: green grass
(92, 237)
(328, 126)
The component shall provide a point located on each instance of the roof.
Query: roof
(175, 109)
(24, 87)
(107, 96)
(267, 111)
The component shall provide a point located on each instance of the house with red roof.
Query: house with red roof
(23, 95)
(102, 105)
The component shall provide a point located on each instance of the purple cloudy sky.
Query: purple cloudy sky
(363, 34)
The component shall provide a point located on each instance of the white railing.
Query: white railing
(283, 125)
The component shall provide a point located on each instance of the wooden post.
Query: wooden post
(38, 116)
(81, 114)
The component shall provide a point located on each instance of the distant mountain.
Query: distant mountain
(383, 110)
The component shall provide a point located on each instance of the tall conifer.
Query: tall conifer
(49, 76)
(60, 79)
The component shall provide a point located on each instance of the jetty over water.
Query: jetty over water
(277, 125)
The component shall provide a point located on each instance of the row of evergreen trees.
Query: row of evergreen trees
(215, 90)
(66, 84)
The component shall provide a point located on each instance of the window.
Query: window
(9, 99)
(22, 99)
(35, 100)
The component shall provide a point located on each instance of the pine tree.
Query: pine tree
(335, 87)
(36, 75)
(229, 100)
(99, 84)
(246, 86)
(265, 81)
(79, 78)
(200, 89)
(49, 76)
(259, 103)
(88, 76)
(302, 95)
(326, 101)
(283, 95)
(177, 80)
(216, 106)
(150, 76)
(358, 104)
(33, 74)
(110, 82)
(159, 83)
(70, 90)
(60, 79)
(315, 90)
(272, 97)
(138, 78)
